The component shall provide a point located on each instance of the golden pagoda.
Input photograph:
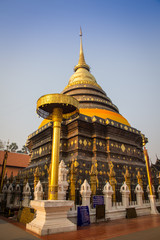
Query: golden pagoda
(100, 134)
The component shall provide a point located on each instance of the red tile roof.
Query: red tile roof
(15, 159)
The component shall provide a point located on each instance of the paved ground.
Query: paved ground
(149, 234)
(142, 228)
(8, 231)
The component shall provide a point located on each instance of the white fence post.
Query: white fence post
(139, 193)
(86, 194)
(38, 193)
(108, 192)
(26, 195)
(125, 195)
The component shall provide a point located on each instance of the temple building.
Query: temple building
(15, 162)
(99, 145)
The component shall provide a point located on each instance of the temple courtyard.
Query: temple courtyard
(146, 227)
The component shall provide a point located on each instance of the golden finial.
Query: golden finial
(81, 62)
(80, 32)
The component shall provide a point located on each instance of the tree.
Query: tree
(2, 145)
(13, 147)
(25, 149)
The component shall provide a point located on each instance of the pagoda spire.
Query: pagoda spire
(81, 62)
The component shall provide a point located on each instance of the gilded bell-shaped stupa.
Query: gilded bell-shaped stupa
(99, 135)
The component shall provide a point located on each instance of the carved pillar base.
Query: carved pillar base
(51, 217)
(153, 204)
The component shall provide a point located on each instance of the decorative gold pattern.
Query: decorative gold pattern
(83, 82)
(85, 143)
(126, 128)
(76, 164)
(107, 121)
(123, 147)
(94, 119)
(40, 151)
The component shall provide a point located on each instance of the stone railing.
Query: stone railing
(114, 210)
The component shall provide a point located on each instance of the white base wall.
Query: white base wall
(142, 211)
(115, 213)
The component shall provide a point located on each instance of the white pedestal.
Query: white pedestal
(125, 199)
(108, 202)
(139, 198)
(153, 204)
(51, 217)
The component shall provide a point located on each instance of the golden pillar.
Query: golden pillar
(148, 171)
(144, 141)
(73, 181)
(53, 187)
(49, 177)
(151, 196)
(56, 107)
(127, 177)
(112, 180)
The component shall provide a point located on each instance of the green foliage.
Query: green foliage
(2, 145)
(25, 149)
(13, 147)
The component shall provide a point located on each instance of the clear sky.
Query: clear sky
(39, 46)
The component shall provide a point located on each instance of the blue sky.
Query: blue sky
(39, 46)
